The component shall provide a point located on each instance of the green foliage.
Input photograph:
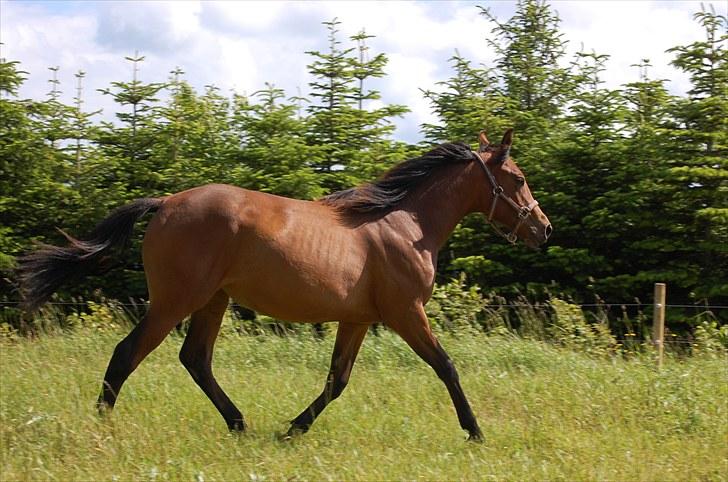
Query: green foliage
(711, 338)
(100, 317)
(455, 307)
(632, 179)
(467, 103)
(571, 330)
(351, 138)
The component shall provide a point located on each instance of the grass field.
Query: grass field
(547, 414)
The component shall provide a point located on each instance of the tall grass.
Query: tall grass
(548, 413)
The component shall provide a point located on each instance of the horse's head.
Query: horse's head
(508, 202)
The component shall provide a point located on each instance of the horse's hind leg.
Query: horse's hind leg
(145, 337)
(196, 356)
(349, 338)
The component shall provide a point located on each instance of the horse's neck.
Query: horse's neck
(441, 204)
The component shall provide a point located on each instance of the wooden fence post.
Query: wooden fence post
(658, 322)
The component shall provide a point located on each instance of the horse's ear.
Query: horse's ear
(507, 138)
(483, 141)
(504, 150)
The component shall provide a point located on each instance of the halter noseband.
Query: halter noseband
(524, 212)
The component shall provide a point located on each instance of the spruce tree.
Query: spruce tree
(34, 189)
(530, 49)
(699, 172)
(464, 104)
(128, 146)
(274, 147)
(349, 136)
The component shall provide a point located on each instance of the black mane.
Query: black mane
(396, 184)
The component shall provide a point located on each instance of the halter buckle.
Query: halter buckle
(498, 190)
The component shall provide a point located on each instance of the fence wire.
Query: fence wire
(496, 305)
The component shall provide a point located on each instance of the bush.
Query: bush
(455, 307)
(711, 338)
(569, 328)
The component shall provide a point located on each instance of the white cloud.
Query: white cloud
(147, 26)
(242, 18)
(241, 45)
(630, 32)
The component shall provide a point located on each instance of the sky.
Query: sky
(242, 45)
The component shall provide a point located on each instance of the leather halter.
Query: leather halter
(524, 212)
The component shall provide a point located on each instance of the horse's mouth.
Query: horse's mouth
(532, 243)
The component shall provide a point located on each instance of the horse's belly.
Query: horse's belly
(297, 302)
(318, 279)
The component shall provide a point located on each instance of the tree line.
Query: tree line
(634, 178)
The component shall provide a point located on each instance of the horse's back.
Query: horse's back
(287, 258)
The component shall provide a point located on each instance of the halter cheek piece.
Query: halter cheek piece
(524, 212)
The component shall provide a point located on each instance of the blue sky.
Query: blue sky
(241, 45)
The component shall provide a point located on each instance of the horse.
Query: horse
(360, 256)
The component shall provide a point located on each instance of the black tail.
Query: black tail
(44, 270)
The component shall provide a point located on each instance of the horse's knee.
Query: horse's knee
(335, 385)
(194, 361)
(338, 387)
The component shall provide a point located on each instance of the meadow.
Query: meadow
(547, 413)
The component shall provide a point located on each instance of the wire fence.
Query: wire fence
(488, 305)
(632, 330)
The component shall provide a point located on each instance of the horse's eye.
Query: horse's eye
(520, 180)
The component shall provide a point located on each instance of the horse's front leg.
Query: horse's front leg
(414, 328)
(349, 338)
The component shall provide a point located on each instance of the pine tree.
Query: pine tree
(465, 104)
(699, 174)
(350, 136)
(274, 146)
(196, 143)
(34, 191)
(129, 146)
(530, 48)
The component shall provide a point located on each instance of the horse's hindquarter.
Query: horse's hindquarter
(293, 260)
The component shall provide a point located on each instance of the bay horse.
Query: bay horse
(360, 256)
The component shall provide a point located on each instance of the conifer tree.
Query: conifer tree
(129, 146)
(350, 138)
(699, 173)
(530, 49)
(274, 147)
(196, 143)
(465, 103)
(33, 179)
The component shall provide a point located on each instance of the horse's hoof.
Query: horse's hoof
(476, 437)
(103, 408)
(293, 432)
(237, 427)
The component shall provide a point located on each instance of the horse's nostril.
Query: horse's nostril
(548, 231)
